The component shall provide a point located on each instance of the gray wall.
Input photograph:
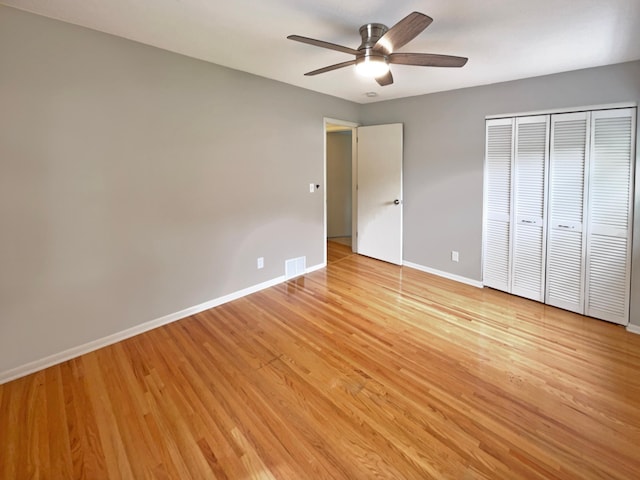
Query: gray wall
(339, 184)
(135, 183)
(444, 155)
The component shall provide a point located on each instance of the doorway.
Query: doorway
(340, 181)
(375, 204)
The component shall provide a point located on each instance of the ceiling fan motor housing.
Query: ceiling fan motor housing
(371, 33)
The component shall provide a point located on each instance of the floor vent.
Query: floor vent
(295, 267)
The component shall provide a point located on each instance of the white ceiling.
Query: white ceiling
(504, 39)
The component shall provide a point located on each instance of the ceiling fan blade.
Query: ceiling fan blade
(427, 60)
(320, 43)
(403, 32)
(386, 79)
(331, 67)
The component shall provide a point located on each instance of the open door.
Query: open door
(379, 192)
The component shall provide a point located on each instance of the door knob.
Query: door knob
(396, 201)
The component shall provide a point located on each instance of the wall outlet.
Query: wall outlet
(455, 256)
(260, 262)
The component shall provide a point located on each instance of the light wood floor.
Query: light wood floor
(341, 240)
(360, 370)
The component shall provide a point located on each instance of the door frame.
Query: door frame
(354, 178)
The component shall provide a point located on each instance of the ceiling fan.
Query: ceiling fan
(378, 47)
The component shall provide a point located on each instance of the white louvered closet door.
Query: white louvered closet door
(529, 207)
(497, 238)
(567, 205)
(608, 259)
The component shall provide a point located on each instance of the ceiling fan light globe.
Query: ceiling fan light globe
(372, 66)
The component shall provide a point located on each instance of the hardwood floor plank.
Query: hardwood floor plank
(87, 455)
(106, 416)
(9, 426)
(57, 435)
(360, 370)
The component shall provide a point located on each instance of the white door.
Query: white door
(611, 173)
(530, 207)
(380, 192)
(496, 271)
(566, 246)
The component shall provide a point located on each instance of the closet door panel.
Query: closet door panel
(610, 215)
(568, 168)
(607, 279)
(498, 185)
(496, 265)
(565, 270)
(529, 238)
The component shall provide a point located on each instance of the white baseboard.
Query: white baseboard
(54, 359)
(320, 266)
(633, 328)
(440, 273)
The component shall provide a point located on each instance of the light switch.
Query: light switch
(312, 187)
